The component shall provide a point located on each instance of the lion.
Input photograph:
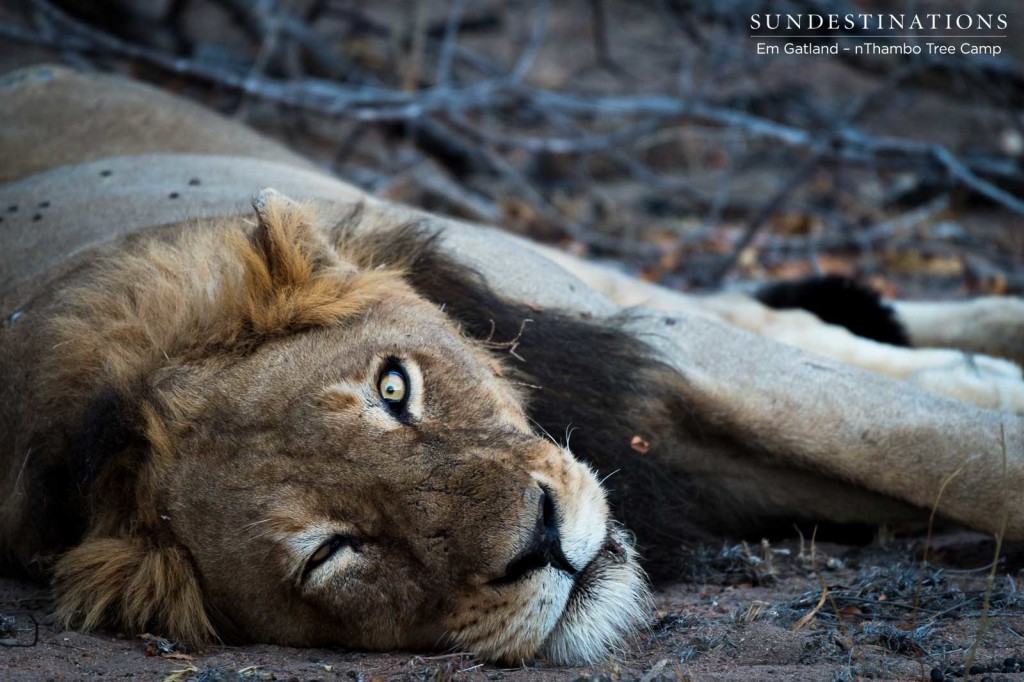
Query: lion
(326, 420)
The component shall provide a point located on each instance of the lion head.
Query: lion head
(276, 437)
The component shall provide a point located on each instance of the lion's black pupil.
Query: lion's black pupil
(394, 388)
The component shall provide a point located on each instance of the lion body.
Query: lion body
(173, 379)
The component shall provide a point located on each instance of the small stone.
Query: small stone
(936, 675)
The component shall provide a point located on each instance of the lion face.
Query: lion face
(412, 508)
(373, 482)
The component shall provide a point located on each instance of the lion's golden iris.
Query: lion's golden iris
(392, 386)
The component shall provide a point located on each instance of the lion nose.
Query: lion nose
(545, 548)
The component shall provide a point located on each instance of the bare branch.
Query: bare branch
(493, 122)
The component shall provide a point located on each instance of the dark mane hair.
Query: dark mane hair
(840, 301)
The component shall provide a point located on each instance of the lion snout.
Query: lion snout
(544, 548)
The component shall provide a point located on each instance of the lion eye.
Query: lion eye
(393, 387)
(322, 554)
(326, 551)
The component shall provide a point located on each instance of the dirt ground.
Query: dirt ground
(742, 613)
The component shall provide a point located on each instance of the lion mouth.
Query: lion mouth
(613, 551)
(565, 618)
(608, 601)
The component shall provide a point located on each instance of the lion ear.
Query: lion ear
(124, 583)
(294, 279)
(287, 242)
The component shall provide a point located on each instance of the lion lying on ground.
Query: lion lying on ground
(342, 422)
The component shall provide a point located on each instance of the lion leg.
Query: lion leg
(992, 325)
(741, 494)
(983, 381)
(750, 400)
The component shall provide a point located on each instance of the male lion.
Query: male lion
(339, 422)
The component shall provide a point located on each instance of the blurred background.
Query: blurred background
(647, 134)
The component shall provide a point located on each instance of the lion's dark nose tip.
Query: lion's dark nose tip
(545, 548)
(548, 539)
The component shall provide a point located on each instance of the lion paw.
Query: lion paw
(984, 381)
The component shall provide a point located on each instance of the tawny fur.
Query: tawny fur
(209, 291)
(126, 584)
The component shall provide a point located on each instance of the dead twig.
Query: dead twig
(983, 625)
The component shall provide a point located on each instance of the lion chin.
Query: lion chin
(608, 601)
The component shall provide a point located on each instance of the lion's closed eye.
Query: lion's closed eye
(330, 549)
(319, 552)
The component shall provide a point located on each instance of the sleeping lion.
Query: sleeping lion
(324, 420)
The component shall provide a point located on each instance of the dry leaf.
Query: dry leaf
(807, 617)
(792, 223)
(180, 675)
(912, 262)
